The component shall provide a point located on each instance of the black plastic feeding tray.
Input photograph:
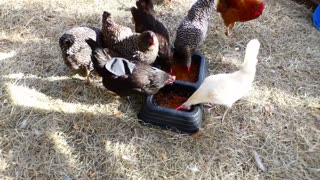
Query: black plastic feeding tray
(167, 117)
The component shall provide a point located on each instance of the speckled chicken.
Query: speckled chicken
(75, 51)
(145, 21)
(192, 31)
(112, 32)
(139, 46)
(125, 78)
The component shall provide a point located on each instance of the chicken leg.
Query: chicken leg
(229, 28)
(210, 106)
(88, 74)
(224, 114)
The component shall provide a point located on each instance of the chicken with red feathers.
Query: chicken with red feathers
(124, 77)
(112, 32)
(139, 46)
(192, 31)
(238, 11)
(145, 21)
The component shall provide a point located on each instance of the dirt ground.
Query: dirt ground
(53, 126)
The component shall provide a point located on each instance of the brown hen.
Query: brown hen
(145, 21)
(238, 11)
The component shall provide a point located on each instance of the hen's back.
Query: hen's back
(190, 34)
(113, 32)
(127, 47)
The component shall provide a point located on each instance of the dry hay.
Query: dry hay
(52, 126)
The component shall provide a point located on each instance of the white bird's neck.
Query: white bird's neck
(199, 96)
(250, 59)
(249, 66)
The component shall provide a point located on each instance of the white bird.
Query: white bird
(225, 89)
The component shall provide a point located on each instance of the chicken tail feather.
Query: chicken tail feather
(145, 5)
(135, 14)
(106, 14)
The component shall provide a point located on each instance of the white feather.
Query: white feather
(259, 162)
(38, 133)
(23, 124)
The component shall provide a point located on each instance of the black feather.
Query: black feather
(98, 57)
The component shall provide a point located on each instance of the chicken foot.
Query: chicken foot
(224, 114)
(210, 106)
(88, 74)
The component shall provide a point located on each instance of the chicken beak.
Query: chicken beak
(180, 107)
(171, 80)
(188, 68)
(151, 41)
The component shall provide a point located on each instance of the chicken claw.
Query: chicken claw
(210, 106)
(224, 114)
(88, 79)
(229, 28)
